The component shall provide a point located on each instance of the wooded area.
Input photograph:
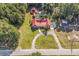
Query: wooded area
(11, 18)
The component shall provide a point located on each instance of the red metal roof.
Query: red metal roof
(40, 22)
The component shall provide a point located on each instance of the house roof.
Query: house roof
(40, 22)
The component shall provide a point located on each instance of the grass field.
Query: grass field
(46, 42)
(63, 38)
(27, 34)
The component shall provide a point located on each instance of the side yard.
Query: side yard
(27, 34)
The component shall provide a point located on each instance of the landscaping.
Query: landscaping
(36, 54)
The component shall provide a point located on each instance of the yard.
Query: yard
(27, 35)
(46, 42)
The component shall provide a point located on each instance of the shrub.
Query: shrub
(36, 54)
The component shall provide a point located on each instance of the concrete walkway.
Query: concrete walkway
(34, 40)
(55, 38)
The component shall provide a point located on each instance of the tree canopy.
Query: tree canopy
(8, 36)
(11, 18)
(13, 13)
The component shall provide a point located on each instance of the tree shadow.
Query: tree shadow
(34, 29)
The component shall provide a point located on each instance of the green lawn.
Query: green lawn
(46, 42)
(27, 34)
(63, 38)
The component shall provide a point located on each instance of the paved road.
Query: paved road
(47, 52)
(42, 51)
(5, 52)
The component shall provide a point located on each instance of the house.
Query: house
(41, 23)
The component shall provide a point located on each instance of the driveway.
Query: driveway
(49, 33)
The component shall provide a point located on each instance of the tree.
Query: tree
(14, 13)
(8, 36)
